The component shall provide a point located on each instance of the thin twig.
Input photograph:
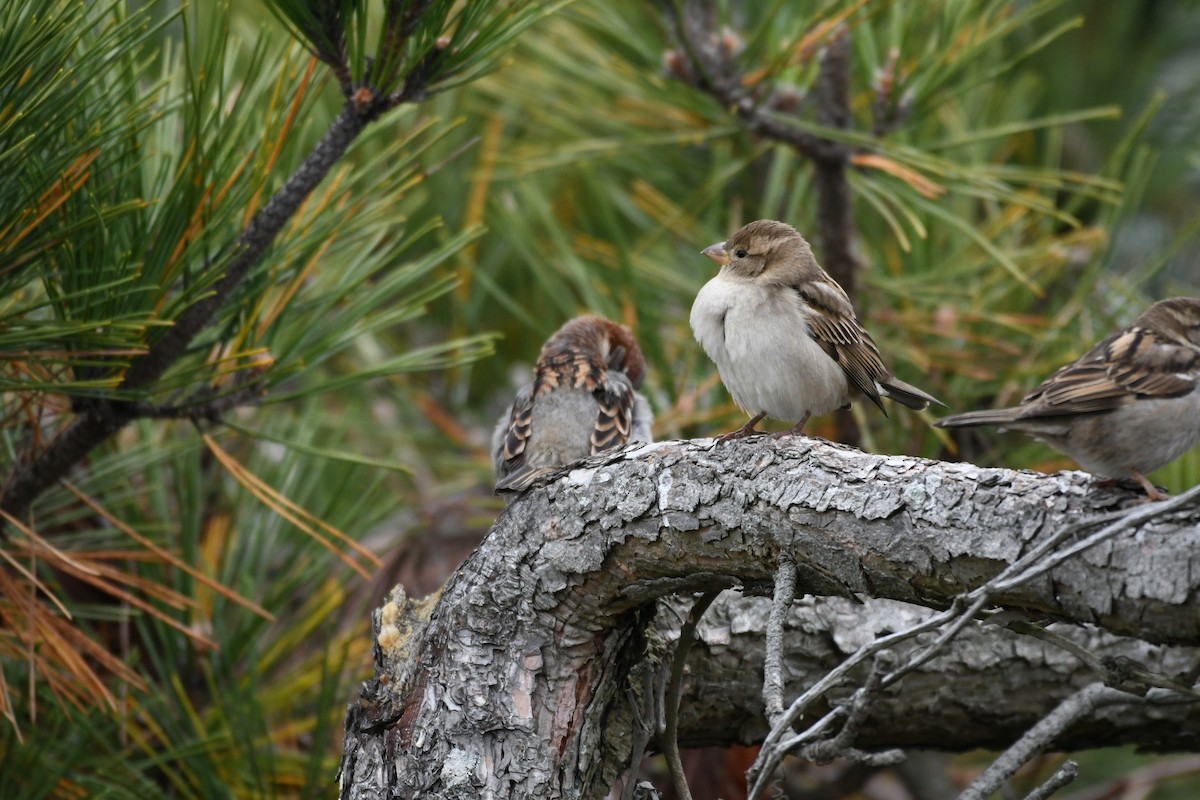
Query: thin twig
(1119, 673)
(1065, 774)
(842, 744)
(1128, 519)
(781, 606)
(712, 71)
(1039, 738)
(670, 738)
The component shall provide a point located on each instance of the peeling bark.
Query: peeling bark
(517, 682)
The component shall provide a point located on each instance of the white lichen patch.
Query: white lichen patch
(458, 768)
(584, 477)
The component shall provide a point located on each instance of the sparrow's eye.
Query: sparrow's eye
(740, 252)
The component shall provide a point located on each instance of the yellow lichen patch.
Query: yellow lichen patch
(399, 619)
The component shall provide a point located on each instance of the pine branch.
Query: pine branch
(104, 418)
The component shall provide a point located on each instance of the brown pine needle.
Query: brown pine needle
(36, 583)
(290, 511)
(171, 558)
(90, 577)
(43, 544)
(918, 182)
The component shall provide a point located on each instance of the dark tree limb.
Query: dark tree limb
(670, 737)
(102, 418)
(517, 683)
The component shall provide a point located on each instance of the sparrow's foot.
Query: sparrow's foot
(795, 430)
(1153, 495)
(1152, 492)
(742, 432)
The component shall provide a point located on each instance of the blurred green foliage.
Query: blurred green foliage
(1002, 225)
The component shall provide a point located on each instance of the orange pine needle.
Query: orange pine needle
(290, 511)
(169, 557)
(918, 182)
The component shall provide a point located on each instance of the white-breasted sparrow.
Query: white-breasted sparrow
(582, 401)
(1128, 406)
(784, 335)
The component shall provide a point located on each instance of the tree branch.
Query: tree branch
(709, 66)
(524, 662)
(670, 737)
(103, 418)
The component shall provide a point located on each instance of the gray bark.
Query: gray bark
(516, 681)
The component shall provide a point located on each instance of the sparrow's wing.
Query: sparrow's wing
(614, 412)
(834, 326)
(520, 423)
(1148, 365)
(1136, 362)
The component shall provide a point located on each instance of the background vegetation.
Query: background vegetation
(1031, 185)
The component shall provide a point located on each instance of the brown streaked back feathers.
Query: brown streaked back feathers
(589, 353)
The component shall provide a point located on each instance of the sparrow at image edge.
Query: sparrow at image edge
(1126, 407)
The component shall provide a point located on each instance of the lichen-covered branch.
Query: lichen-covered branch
(517, 682)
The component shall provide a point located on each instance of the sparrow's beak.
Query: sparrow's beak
(717, 253)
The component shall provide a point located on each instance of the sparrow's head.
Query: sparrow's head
(760, 244)
(1177, 318)
(595, 338)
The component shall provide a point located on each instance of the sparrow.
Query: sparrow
(582, 401)
(784, 335)
(1128, 406)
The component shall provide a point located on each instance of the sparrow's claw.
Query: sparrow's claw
(1153, 495)
(1152, 492)
(742, 432)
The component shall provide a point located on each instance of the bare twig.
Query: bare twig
(711, 70)
(1065, 774)
(774, 747)
(841, 745)
(785, 593)
(1031, 566)
(1119, 673)
(1039, 738)
(670, 738)
(964, 610)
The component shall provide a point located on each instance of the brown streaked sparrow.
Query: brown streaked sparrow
(1128, 406)
(582, 401)
(784, 335)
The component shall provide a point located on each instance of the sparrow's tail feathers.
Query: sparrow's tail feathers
(908, 395)
(521, 479)
(971, 419)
